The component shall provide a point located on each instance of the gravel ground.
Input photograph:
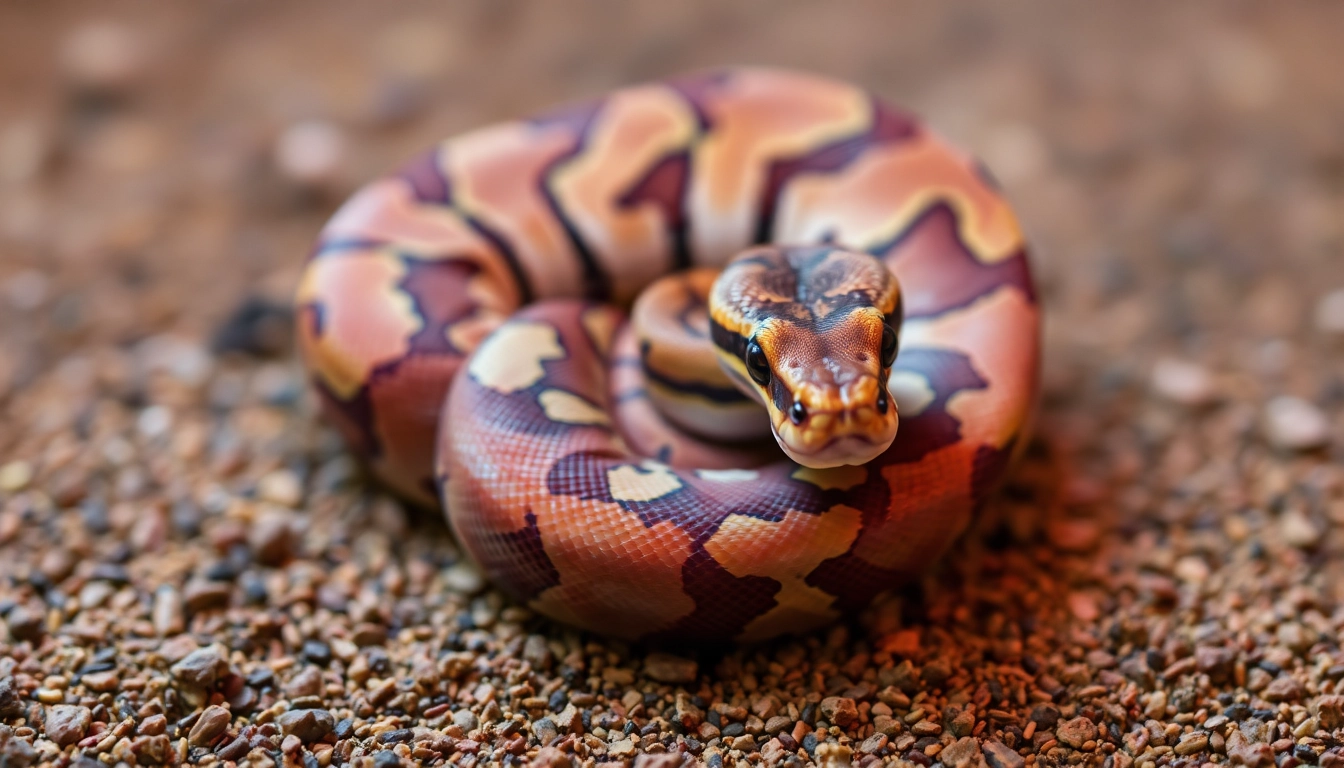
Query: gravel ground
(191, 570)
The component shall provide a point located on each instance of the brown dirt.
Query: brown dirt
(191, 570)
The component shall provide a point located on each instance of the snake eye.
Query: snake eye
(757, 365)
(882, 403)
(798, 413)
(889, 346)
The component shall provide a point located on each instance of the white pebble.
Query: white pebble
(281, 487)
(183, 359)
(1182, 382)
(463, 577)
(1192, 569)
(1330, 312)
(1294, 424)
(15, 476)
(311, 152)
(154, 422)
(1298, 530)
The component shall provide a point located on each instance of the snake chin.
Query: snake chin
(839, 451)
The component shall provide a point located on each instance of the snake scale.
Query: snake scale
(464, 321)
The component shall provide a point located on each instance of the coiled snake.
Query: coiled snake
(591, 466)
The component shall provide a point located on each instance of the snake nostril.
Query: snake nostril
(882, 403)
(798, 413)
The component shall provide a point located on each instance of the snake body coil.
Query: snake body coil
(496, 261)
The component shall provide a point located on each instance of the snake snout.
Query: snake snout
(848, 424)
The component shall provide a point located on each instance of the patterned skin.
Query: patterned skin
(492, 264)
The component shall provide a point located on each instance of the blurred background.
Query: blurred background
(158, 163)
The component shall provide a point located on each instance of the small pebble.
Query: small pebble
(1294, 424)
(1330, 313)
(1183, 383)
(67, 724)
(273, 537)
(15, 476)
(103, 56)
(666, 668)
(1076, 732)
(311, 153)
(1298, 529)
(212, 722)
(281, 487)
(464, 577)
(308, 725)
(201, 667)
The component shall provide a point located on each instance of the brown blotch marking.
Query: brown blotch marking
(522, 555)
(668, 318)
(786, 551)
(942, 274)
(887, 126)
(999, 334)
(439, 290)
(386, 211)
(497, 174)
(879, 196)
(929, 505)
(664, 188)
(758, 117)
(367, 320)
(635, 129)
(424, 174)
(638, 576)
(405, 400)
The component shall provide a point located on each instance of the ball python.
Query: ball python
(802, 259)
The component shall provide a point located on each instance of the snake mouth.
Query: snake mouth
(841, 450)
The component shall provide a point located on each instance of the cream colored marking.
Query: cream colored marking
(600, 323)
(872, 199)
(758, 117)
(651, 480)
(999, 332)
(911, 392)
(468, 333)
(387, 210)
(367, 319)
(636, 128)
(840, 478)
(568, 408)
(786, 551)
(495, 173)
(727, 475)
(612, 564)
(511, 358)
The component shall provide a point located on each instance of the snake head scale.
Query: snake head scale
(812, 332)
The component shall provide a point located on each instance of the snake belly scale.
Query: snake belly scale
(463, 321)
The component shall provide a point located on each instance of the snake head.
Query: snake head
(812, 332)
